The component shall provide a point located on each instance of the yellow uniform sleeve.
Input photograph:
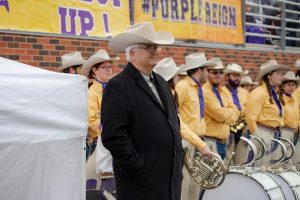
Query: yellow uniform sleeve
(253, 109)
(296, 97)
(291, 113)
(190, 136)
(243, 95)
(221, 114)
(181, 92)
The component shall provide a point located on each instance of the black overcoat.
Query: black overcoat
(143, 137)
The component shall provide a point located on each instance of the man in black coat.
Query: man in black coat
(140, 122)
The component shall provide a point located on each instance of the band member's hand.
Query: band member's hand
(205, 151)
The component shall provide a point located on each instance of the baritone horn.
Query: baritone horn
(206, 172)
(239, 124)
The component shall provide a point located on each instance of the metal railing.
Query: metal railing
(277, 24)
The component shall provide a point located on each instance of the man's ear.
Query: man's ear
(131, 53)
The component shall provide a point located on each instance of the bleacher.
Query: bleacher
(273, 23)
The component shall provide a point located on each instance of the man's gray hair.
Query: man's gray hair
(127, 51)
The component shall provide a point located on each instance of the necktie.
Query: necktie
(201, 98)
(102, 83)
(288, 95)
(215, 90)
(275, 97)
(154, 89)
(235, 98)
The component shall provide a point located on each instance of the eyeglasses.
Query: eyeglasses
(149, 47)
(216, 72)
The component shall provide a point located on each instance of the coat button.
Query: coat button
(175, 152)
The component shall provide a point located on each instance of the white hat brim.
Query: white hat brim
(290, 79)
(189, 67)
(217, 68)
(87, 66)
(173, 75)
(71, 63)
(123, 40)
(246, 83)
(262, 73)
(230, 71)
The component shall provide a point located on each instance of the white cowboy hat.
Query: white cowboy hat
(290, 76)
(196, 60)
(218, 64)
(268, 67)
(167, 68)
(139, 33)
(246, 80)
(181, 70)
(234, 68)
(98, 57)
(297, 64)
(70, 59)
(182, 73)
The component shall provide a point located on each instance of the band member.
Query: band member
(291, 109)
(264, 110)
(71, 63)
(181, 75)
(169, 71)
(99, 68)
(220, 112)
(239, 96)
(247, 83)
(191, 111)
(140, 121)
(255, 85)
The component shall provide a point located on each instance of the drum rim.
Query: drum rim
(297, 196)
(248, 175)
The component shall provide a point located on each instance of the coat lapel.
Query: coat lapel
(140, 81)
(161, 90)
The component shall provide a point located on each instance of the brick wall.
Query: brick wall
(46, 51)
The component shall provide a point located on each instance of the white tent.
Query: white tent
(43, 124)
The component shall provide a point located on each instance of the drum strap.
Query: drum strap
(277, 135)
(296, 137)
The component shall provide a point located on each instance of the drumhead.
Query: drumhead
(290, 184)
(238, 186)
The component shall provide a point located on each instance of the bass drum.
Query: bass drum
(290, 184)
(238, 185)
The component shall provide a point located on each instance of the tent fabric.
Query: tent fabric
(43, 125)
(55, 103)
(49, 170)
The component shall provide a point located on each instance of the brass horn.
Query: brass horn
(206, 172)
(239, 124)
